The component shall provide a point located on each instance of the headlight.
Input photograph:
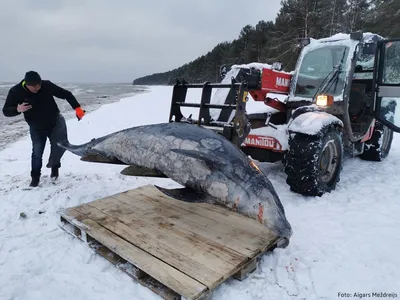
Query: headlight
(324, 100)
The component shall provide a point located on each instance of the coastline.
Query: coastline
(15, 128)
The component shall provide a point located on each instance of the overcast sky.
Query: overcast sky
(116, 41)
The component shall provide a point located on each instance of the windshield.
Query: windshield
(391, 64)
(364, 66)
(316, 65)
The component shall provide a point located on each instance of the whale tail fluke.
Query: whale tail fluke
(79, 150)
(88, 154)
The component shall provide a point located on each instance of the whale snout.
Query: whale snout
(284, 233)
(276, 221)
(274, 216)
(282, 243)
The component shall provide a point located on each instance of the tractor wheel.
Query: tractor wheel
(314, 162)
(378, 147)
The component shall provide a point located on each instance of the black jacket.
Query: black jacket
(44, 109)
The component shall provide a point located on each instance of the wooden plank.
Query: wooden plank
(248, 242)
(125, 266)
(127, 219)
(249, 232)
(159, 270)
(69, 217)
(214, 212)
(212, 255)
(181, 220)
(250, 267)
(198, 245)
(177, 208)
(175, 254)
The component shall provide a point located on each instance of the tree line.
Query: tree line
(271, 41)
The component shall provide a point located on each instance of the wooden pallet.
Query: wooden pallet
(175, 248)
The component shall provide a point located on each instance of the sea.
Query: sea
(90, 96)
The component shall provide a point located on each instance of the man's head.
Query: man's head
(33, 81)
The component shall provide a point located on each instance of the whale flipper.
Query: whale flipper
(184, 194)
(136, 170)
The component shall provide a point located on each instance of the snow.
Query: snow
(343, 242)
(312, 122)
(257, 66)
(219, 95)
(307, 123)
(393, 115)
(367, 37)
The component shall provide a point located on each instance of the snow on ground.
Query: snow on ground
(344, 242)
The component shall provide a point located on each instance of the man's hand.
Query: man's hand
(79, 113)
(23, 107)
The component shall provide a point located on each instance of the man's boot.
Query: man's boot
(35, 181)
(54, 173)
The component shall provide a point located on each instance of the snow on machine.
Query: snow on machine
(341, 97)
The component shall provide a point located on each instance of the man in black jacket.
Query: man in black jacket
(34, 98)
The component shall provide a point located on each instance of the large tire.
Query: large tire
(309, 155)
(378, 147)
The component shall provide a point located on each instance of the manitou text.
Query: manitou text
(282, 81)
(265, 142)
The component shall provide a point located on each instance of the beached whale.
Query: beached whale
(210, 168)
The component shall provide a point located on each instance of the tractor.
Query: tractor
(340, 98)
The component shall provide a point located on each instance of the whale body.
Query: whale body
(210, 167)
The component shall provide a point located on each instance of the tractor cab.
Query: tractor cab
(344, 75)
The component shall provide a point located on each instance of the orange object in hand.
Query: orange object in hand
(79, 113)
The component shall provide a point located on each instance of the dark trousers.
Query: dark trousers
(39, 138)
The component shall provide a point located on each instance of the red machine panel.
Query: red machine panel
(272, 82)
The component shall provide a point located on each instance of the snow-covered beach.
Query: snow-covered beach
(344, 242)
